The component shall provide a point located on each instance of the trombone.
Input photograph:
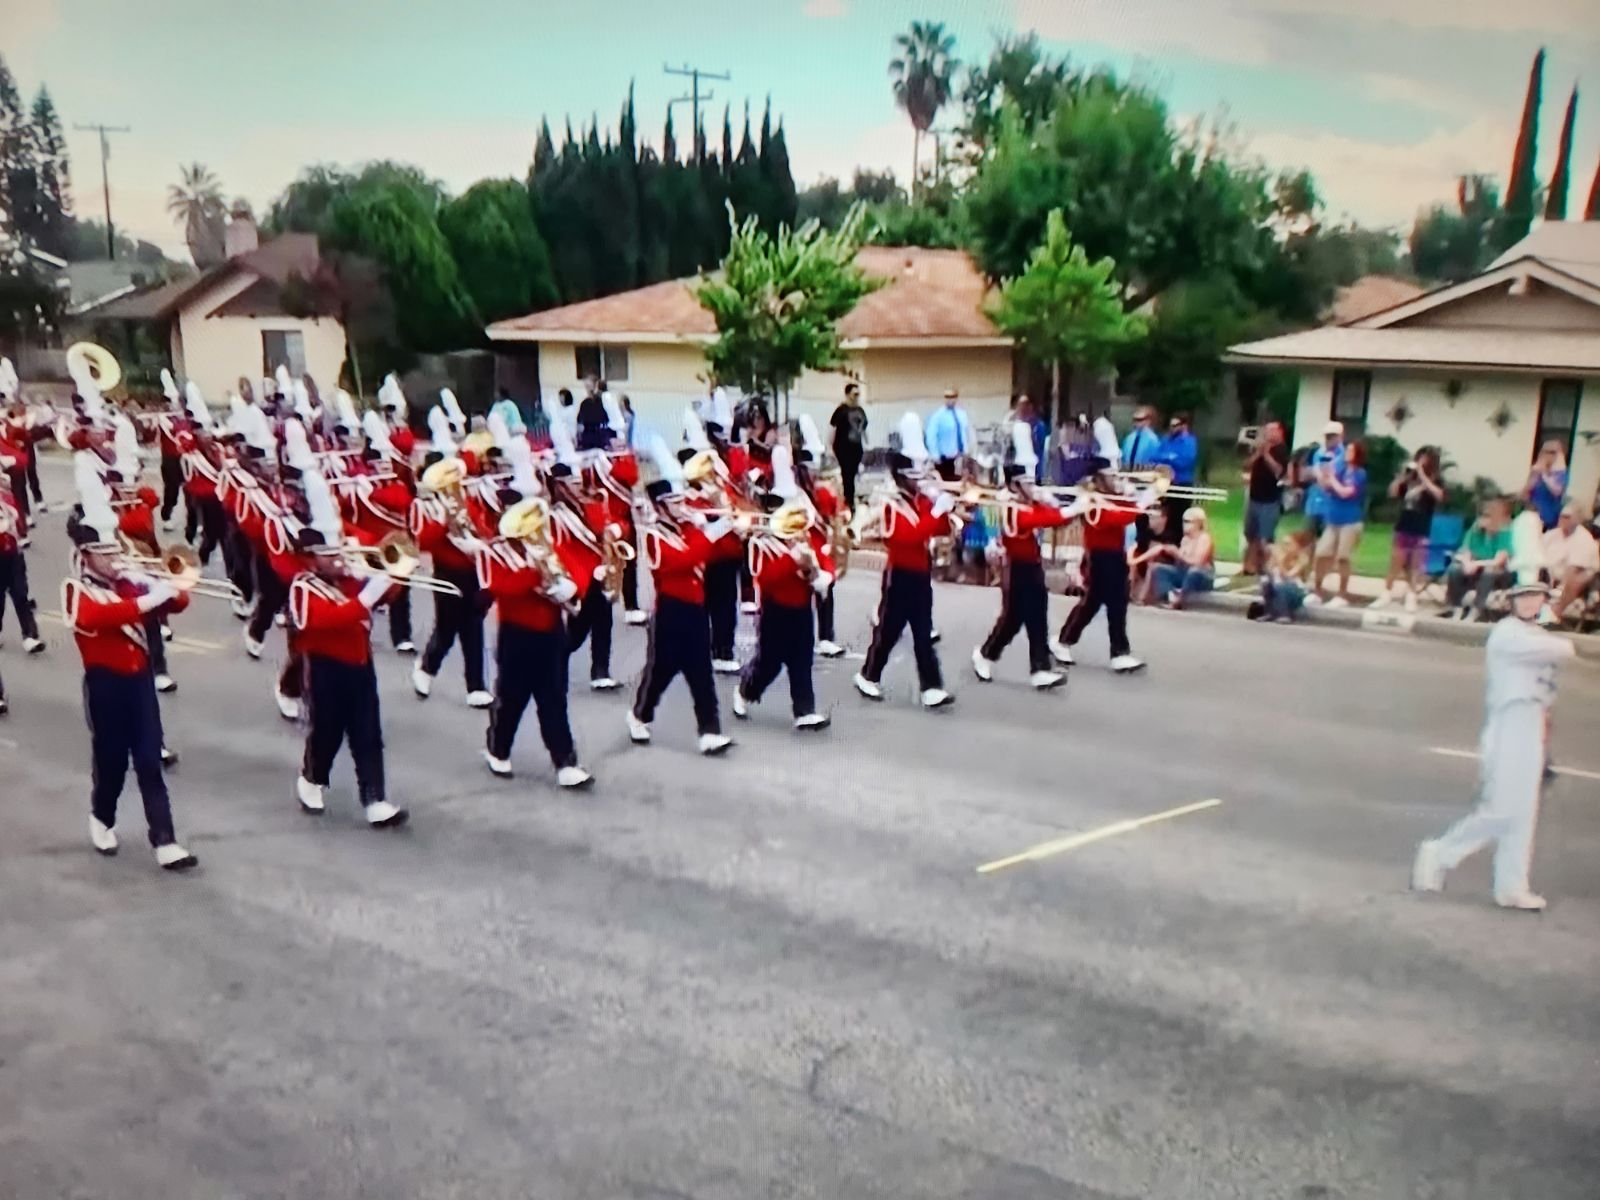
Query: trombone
(179, 568)
(396, 557)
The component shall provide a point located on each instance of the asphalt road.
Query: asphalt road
(780, 974)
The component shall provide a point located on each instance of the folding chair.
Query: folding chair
(1445, 535)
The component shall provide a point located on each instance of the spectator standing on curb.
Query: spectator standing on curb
(949, 436)
(1482, 565)
(1419, 491)
(1324, 460)
(1344, 508)
(1546, 488)
(1143, 444)
(1180, 452)
(1265, 469)
(849, 423)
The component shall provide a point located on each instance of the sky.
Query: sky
(1386, 101)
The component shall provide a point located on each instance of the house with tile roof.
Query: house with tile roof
(904, 344)
(232, 320)
(1487, 369)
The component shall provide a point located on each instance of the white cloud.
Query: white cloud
(814, 153)
(825, 10)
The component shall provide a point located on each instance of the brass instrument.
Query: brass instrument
(616, 552)
(841, 540)
(95, 361)
(179, 569)
(395, 556)
(447, 479)
(527, 523)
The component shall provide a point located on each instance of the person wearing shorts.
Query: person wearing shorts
(1343, 509)
(1265, 469)
(1419, 491)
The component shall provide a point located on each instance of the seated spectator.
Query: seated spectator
(1571, 560)
(1482, 565)
(1283, 588)
(1155, 541)
(1343, 511)
(1546, 489)
(1193, 569)
(1419, 491)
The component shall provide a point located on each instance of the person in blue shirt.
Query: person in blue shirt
(948, 435)
(1179, 451)
(1546, 488)
(1322, 463)
(1344, 512)
(510, 412)
(1143, 443)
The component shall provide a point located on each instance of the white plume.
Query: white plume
(458, 419)
(94, 495)
(811, 437)
(500, 431)
(297, 446)
(349, 419)
(258, 431)
(439, 428)
(561, 442)
(8, 378)
(614, 414)
(377, 432)
(125, 441)
(784, 483)
(324, 512)
(523, 477)
(912, 444)
(722, 411)
(238, 414)
(667, 465)
(282, 376)
(302, 402)
(694, 433)
(169, 385)
(1023, 453)
(391, 396)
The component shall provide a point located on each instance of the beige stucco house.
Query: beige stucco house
(230, 321)
(1486, 369)
(922, 332)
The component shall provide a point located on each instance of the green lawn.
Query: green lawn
(1227, 531)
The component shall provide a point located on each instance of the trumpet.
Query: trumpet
(397, 558)
(179, 569)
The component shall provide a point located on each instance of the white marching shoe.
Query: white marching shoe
(867, 688)
(1122, 664)
(714, 743)
(168, 524)
(479, 699)
(725, 666)
(1045, 680)
(383, 815)
(750, 608)
(813, 722)
(982, 667)
(829, 649)
(252, 647)
(174, 857)
(1061, 652)
(573, 777)
(1426, 873)
(280, 621)
(241, 608)
(741, 706)
(33, 645)
(937, 698)
(636, 616)
(166, 683)
(421, 683)
(1523, 901)
(102, 837)
(288, 706)
(603, 684)
(406, 647)
(638, 731)
(166, 633)
(498, 766)
(309, 794)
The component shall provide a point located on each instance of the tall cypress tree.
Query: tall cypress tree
(669, 144)
(1520, 191)
(1555, 207)
(787, 202)
(54, 176)
(16, 156)
(544, 150)
(1591, 210)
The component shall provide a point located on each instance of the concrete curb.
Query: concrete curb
(1386, 624)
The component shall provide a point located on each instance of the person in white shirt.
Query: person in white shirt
(1571, 559)
(1520, 688)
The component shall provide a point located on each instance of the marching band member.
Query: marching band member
(1024, 599)
(1519, 692)
(379, 506)
(532, 594)
(169, 429)
(447, 526)
(14, 569)
(396, 414)
(788, 574)
(1105, 573)
(254, 500)
(677, 544)
(330, 611)
(614, 476)
(106, 607)
(580, 531)
(714, 485)
(202, 474)
(909, 519)
(136, 525)
(828, 512)
(381, 454)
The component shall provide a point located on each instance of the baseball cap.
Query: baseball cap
(1333, 427)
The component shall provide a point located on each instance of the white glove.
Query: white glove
(563, 590)
(1077, 508)
(943, 503)
(600, 574)
(822, 583)
(157, 596)
(374, 590)
(470, 544)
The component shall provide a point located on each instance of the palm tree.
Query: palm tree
(924, 74)
(195, 202)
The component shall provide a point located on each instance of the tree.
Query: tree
(1063, 308)
(53, 175)
(778, 300)
(195, 202)
(826, 201)
(1555, 208)
(31, 306)
(1591, 208)
(86, 242)
(1448, 246)
(504, 263)
(16, 157)
(1178, 365)
(1020, 75)
(1521, 202)
(923, 71)
(351, 288)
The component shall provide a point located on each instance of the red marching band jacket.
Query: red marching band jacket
(200, 474)
(429, 521)
(777, 572)
(12, 526)
(617, 476)
(108, 626)
(1019, 528)
(677, 561)
(517, 587)
(908, 526)
(136, 519)
(1105, 527)
(329, 621)
(577, 540)
(170, 428)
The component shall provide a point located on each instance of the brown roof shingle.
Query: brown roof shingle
(1370, 294)
(272, 264)
(931, 295)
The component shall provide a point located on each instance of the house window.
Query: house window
(1351, 391)
(1558, 414)
(604, 362)
(283, 348)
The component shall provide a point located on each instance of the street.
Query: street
(781, 974)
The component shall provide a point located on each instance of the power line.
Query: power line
(105, 178)
(695, 96)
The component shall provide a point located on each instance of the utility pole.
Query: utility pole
(105, 178)
(695, 75)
